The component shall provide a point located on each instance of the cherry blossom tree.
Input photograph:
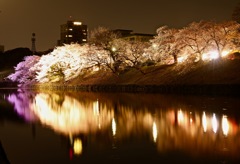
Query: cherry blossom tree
(96, 57)
(67, 62)
(108, 40)
(163, 46)
(196, 42)
(222, 36)
(193, 40)
(133, 55)
(106, 50)
(25, 71)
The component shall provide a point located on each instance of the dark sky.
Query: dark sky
(20, 18)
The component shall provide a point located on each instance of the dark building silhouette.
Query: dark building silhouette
(1, 48)
(131, 36)
(236, 13)
(33, 39)
(73, 32)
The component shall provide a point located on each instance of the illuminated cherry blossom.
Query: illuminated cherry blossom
(25, 71)
(67, 62)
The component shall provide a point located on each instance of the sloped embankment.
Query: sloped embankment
(218, 77)
(215, 72)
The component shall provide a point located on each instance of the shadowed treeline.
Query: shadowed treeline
(11, 58)
(3, 156)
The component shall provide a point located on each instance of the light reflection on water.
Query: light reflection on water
(168, 125)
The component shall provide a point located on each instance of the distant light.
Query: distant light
(214, 55)
(204, 122)
(96, 108)
(155, 131)
(214, 123)
(181, 59)
(154, 45)
(114, 127)
(225, 125)
(225, 53)
(114, 49)
(191, 120)
(210, 55)
(84, 40)
(77, 146)
(180, 117)
(70, 29)
(69, 36)
(77, 23)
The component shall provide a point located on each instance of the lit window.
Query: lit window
(84, 40)
(77, 23)
(69, 36)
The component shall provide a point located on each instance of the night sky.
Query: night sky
(20, 18)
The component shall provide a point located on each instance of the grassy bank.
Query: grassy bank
(215, 72)
(215, 77)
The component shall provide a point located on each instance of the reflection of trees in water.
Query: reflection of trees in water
(171, 122)
(22, 101)
(187, 134)
(160, 101)
(71, 117)
(56, 100)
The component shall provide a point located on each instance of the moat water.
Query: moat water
(86, 127)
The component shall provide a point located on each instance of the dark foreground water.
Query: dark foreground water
(77, 127)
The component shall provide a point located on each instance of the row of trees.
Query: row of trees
(196, 42)
(107, 50)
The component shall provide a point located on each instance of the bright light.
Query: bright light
(154, 45)
(155, 132)
(77, 23)
(180, 117)
(114, 127)
(114, 49)
(214, 55)
(204, 56)
(181, 59)
(214, 123)
(204, 122)
(191, 120)
(96, 108)
(225, 125)
(96, 69)
(77, 146)
(210, 55)
(81, 118)
(69, 36)
(225, 53)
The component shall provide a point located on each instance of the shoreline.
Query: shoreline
(210, 89)
(195, 89)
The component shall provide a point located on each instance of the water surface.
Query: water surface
(80, 127)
